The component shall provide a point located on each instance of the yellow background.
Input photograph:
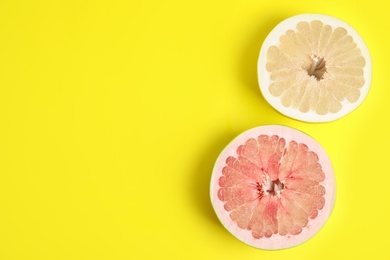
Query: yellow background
(112, 114)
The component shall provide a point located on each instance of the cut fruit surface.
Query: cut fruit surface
(273, 187)
(314, 68)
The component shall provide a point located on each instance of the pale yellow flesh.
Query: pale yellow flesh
(315, 68)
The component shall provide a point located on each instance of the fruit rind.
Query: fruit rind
(275, 241)
(273, 40)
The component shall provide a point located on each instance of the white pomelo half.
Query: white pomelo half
(273, 187)
(314, 68)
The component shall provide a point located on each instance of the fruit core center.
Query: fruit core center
(317, 67)
(273, 187)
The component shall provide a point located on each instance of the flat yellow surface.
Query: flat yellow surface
(112, 114)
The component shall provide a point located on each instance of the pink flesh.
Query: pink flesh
(252, 207)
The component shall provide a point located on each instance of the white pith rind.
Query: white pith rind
(265, 80)
(275, 241)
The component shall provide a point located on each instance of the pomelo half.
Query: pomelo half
(314, 68)
(273, 187)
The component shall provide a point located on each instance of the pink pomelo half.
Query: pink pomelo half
(273, 187)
